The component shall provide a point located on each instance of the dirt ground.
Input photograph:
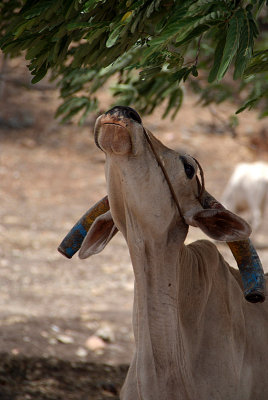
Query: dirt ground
(66, 324)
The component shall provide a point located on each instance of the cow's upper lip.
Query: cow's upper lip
(107, 121)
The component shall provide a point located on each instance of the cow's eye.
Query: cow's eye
(189, 170)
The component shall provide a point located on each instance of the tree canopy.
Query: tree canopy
(149, 47)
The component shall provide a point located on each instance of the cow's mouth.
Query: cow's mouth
(112, 123)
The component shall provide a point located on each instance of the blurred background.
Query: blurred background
(75, 311)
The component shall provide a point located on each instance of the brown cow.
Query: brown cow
(196, 337)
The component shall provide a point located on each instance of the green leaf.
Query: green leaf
(232, 43)
(175, 101)
(89, 5)
(245, 49)
(194, 71)
(112, 39)
(40, 74)
(78, 25)
(150, 10)
(37, 10)
(149, 71)
(180, 75)
(72, 103)
(252, 102)
(22, 27)
(36, 49)
(94, 34)
(193, 34)
(217, 58)
(136, 22)
(258, 64)
(260, 4)
(257, 68)
(175, 24)
(90, 107)
(212, 18)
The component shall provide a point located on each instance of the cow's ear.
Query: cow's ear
(221, 225)
(99, 234)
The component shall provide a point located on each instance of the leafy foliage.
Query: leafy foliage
(149, 48)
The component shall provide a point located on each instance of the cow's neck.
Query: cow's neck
(161, 354)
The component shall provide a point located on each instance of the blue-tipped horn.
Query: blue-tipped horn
(73, 240)
(250, 269)
(247, 259)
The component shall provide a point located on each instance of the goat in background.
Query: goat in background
(247, 190)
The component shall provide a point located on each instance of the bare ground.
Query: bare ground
(66, 324)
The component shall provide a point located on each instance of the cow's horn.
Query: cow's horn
(73, 240)
(246, 257)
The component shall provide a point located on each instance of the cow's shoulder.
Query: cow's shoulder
(211, 263)
(203, 260)
(205, 251)
(200, 263)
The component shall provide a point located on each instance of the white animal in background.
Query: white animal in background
(196, 337)
(247, 190)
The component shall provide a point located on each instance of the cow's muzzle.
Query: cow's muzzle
(113, 129)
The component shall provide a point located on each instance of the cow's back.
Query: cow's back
(232, 336)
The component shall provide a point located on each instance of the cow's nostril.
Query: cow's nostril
(134, 115)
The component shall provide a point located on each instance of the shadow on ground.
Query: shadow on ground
(23, 378)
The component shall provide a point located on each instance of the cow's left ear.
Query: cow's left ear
(98, 236)
(220, 224)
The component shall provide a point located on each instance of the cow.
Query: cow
(196, 337)
(247, 190)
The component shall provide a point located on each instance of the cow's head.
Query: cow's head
(139, 193)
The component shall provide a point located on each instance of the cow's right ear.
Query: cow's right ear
(98, 236)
